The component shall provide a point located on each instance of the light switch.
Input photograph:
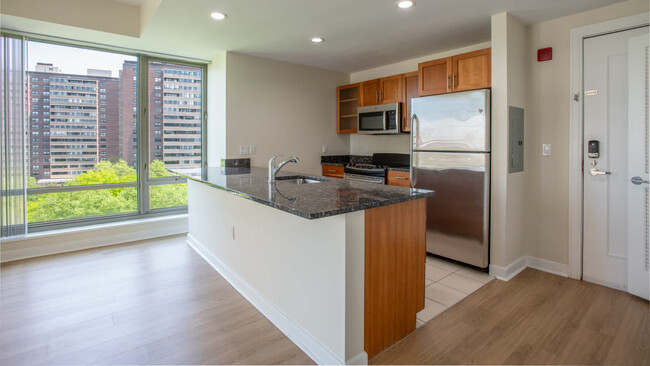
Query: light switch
(546, 149)
(243, 149)
(251, 149)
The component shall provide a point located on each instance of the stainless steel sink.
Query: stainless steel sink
(301, 179)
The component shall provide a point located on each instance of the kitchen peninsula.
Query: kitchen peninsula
(337, 265)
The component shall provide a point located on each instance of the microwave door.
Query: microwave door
(372, 121)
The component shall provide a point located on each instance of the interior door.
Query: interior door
(638, 197)
(606, 181)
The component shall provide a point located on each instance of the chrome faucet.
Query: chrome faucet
(273, 170)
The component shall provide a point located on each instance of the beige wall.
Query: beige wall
(509, 86)
(368, 144)
(282, 108)
(547, 188)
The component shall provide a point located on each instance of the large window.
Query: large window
(90, 157)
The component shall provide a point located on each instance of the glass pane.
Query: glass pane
(175, 96)
(168, 195)
(67, 205)
(82, 115)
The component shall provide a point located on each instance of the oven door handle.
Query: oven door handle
(367, 180)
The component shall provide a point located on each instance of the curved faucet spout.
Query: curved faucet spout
(273, 170)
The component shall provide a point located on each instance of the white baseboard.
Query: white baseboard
(505, 274)
(513, 269)
(548, 266)
(87, 237)
(360, 359)
(305, 341)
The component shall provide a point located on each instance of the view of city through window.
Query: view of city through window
(83, 128)
(77, 120)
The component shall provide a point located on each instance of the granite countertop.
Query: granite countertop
(311, 201)
(400, 169)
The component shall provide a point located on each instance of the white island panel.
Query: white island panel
(306, 276)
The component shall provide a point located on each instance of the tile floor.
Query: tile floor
(446, 284)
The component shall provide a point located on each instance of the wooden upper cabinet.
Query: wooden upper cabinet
(391, 89)
(434, 76)
(467, 71)
(381, 91)
(472, 70)
(410, 92)
(347, 101)
(370, 92)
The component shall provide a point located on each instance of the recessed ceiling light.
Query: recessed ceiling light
(317, 40)
(405, 4)
(217, 15)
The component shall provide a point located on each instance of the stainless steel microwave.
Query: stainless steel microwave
(379, 119)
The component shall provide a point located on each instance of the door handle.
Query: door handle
(594, 172)
(638, 181)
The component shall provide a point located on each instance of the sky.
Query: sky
(72, 60)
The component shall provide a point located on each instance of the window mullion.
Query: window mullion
(143, 134)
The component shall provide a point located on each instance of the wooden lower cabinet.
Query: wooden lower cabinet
(395, 258)
(333, 171)
(397, 178)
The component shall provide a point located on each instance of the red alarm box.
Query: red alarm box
(544, 54)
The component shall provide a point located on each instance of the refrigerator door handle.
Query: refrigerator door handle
(414, 123)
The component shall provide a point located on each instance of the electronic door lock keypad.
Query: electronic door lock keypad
(593, 149)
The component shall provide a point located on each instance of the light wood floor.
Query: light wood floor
(158, 302)
(153, 302)
(535, 318)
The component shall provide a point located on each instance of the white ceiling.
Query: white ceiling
(359, 34)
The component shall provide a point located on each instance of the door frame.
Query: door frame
(576, 128)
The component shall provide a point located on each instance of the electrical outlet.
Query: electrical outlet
(546, 149)
(251, 149)
(243, 149)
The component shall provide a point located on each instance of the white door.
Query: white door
(638, 274)
(609, 154)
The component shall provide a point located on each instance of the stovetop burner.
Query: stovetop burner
(365, 166)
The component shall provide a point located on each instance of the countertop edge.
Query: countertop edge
(305, 215)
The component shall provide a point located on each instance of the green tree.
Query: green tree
(65, 205)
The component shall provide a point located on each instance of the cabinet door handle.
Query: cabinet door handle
(402, 178)
(380, 97)
(453, 81)
(376, 97)
(331, 170)
(447, 81)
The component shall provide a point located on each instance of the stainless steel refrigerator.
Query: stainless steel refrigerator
(450, 154)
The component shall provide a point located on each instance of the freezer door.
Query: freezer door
(458, 215)
(452, 122)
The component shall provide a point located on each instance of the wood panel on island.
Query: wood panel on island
(467, 71)
(333, 171)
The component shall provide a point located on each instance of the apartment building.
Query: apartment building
(73, 121)
(77, 121)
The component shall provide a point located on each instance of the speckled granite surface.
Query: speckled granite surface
(311, 201)
(342, 160)
(400, 169)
